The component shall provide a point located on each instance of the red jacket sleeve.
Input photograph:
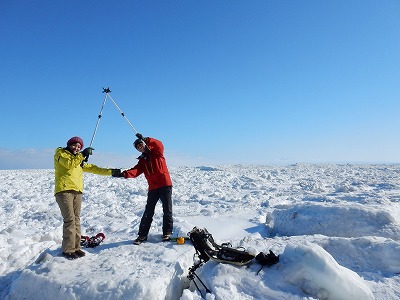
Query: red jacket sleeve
(156, 147)
(134, 172)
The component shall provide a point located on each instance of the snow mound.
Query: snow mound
(316, 273)
(107, 273)
(333, 220)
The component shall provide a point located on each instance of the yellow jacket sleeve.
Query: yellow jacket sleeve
(96, 170)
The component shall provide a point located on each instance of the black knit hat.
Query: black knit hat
(137, 142)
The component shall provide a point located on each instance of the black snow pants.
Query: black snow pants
(165, 195)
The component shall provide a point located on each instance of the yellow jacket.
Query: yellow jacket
(69, 172)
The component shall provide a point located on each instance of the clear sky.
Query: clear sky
(219, 82)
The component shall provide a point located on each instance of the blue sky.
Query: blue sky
(219, 82)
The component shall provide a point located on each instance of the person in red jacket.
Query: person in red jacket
(154, 167)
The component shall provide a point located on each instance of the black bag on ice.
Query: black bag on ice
(267, 259)
(207, 249)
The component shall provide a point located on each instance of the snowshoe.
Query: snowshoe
(93, 241)
(231, 256)
(84, 240)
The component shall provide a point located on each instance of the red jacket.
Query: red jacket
(153, 165)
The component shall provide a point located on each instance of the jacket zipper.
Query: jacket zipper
(151, 165)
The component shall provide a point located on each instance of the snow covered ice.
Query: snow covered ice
(335, 227)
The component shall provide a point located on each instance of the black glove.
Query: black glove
(139, 136)
(117, 173)
(267, 259)
(86, 152)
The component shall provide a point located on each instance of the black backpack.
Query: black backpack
(207, 248)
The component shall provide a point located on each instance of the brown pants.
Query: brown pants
(70, 203)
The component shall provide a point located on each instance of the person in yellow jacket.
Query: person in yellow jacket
(69, 165)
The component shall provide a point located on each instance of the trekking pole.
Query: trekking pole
(207, 289)
(192, 275)
(98, 121)
(107, 91)
(100, 115)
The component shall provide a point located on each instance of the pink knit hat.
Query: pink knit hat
(75, 139)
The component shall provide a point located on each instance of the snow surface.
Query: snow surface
(335, 227)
